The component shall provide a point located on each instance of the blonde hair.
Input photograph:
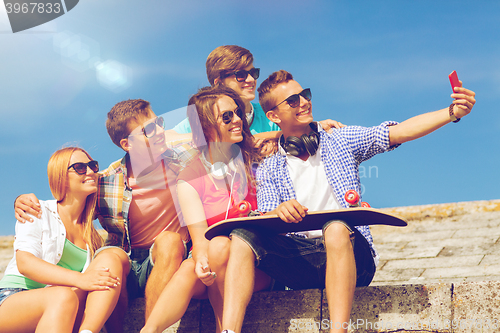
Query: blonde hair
(227, 58)
(57, 172)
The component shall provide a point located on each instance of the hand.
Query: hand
(268, 147)
(464, 101)
(27, 204)
(291, 211)
(328, 125)
(202, 270)
(98, 279)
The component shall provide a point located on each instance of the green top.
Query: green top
(73, 258)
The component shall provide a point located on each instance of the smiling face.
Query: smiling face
(245, 89)
(231, 132)
(140, 146)
(85, 184)
(292, 121)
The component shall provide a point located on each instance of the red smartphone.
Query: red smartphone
(454, 80)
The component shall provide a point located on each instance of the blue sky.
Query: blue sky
(365, 62)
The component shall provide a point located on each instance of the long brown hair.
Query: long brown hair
(57, 171)
(203, 123)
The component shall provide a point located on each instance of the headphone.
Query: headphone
(296, 146)
(218, 170)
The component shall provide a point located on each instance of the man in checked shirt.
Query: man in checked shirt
(312, 171)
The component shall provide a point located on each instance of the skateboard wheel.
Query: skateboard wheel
(352, 197)
(365, 204)
(244, 207)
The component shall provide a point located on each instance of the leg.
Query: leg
(100, 304)
(115, 320)
(181, 288)
(340, 280)
(167, 255)
(50, 309)
(218, 257)
(239, 284)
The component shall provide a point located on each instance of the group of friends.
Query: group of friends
(158, 200)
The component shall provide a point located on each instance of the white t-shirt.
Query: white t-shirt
(311, 186)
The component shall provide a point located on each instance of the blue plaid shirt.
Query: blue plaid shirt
(341, 154)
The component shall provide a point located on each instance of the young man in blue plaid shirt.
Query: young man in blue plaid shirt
(312, 171)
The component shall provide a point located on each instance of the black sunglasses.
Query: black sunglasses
(227, 116)
(294, 100)
(81, 168)
(150, 129)
(242, 75)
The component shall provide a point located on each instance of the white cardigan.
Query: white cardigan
(44, 238)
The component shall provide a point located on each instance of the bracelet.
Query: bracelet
(452, 115)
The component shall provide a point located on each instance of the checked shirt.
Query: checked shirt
(342, 152)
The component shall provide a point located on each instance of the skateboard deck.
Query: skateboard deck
(312, 221)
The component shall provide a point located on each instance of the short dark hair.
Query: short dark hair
(120, 116)
(276, 78)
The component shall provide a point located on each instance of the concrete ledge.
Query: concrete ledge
(447, 307)
(441, 211)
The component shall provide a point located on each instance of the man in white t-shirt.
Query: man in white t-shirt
(312, 171)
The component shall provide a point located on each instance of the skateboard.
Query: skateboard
(358, 214)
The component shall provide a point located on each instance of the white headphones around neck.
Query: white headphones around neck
(218, 170)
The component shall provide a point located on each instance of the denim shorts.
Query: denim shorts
(6, 292)
(141, 264)
(300, 263)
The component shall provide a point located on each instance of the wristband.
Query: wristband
(452, 115)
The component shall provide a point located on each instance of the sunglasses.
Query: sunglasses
(81, 168)
(242, 75)
(150, 129)
(228, 116)
(294, 100)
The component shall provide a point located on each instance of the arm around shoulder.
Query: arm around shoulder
(26, 204)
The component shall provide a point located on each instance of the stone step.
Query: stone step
(441, 273)
(441, 307)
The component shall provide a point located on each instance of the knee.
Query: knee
(337, 237)
(240, 248)
(168, 245)
(115, 259)
(186, 270)
(218, 251)
(64, 298)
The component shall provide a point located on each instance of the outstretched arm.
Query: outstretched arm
(426, 123)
